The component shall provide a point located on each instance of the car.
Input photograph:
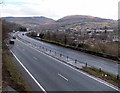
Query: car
(14, 37)
(11, 41)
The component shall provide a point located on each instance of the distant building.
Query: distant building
(116, 38)
(27, 29)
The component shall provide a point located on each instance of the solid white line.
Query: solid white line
(29, 73)
(63, 77)
(90, 76)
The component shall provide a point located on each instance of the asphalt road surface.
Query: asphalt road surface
(104, 64)
(48, 74)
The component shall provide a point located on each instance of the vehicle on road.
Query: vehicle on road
(14, 37)
(11, 41)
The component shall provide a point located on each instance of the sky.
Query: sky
(57, 9)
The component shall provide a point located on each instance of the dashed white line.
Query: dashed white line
(35, 58)
(29, 73)
(63, 77)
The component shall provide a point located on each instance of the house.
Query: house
(116, 38)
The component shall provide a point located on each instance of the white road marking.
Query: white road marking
(35, 58)
(90, 76)
(29, 73)
(63, 77)
(7, 45)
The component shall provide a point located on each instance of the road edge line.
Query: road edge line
(28, 72)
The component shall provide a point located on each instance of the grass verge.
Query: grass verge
(11, 75)
(53, 42)
(115, 80)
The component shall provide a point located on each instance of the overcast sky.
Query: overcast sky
(59, 8)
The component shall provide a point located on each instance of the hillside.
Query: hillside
(30, 21)
(67, 22)
(89, 21)
(78, 18)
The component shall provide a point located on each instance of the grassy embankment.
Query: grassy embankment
(11, 75)
(53, 42)
(115, 80)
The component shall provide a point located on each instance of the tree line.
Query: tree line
(7, 27)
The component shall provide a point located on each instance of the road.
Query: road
(51, 74)
(105, 65)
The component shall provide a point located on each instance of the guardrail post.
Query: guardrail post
(100, 70)
(117, 76)
(55, 53)
(86, 65)
(50, 51)
(67, 58)
(60, 55)
(75, 60)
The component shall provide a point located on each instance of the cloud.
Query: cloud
(23, 1)
(59, 8)
(119, 10)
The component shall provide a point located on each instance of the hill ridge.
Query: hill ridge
(44, 22)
